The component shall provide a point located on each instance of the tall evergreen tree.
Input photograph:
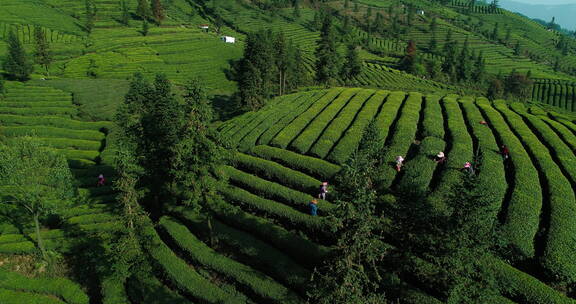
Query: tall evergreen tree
(42, 53)
(2, 87)
(296, 11)
(433, 25)
(145, 27)
(125, 11)
(353, 65)
(90, 14)
(327, 57)
(143, 9)
(158, 11)
(517, 49)
(496, 33)
(479, 69)
(16, 63)
(151, 119)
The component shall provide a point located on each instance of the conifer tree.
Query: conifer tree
(158, 11)
(433, 25)
(42, 53)
(495, 32)
(353, 65)
(90, 15)
(327, 57)
(2, 87)
(125, 17)
(143, 9)
(145, 27)
(508, 35)
(16, 63)
(433, 45)
(517, 49)
(296, 12)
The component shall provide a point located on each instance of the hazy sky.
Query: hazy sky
(545, 1)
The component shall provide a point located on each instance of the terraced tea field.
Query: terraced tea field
(557, 93)
(50, 115)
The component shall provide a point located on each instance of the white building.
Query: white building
(420, 12)
(204, 27)
(228, 39)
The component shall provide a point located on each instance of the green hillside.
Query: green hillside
(242, 231)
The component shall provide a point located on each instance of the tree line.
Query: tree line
(17, 64)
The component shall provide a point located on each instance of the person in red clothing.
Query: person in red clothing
(399, 162)
(505, 152)
(101, 180)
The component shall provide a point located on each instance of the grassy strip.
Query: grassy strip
(286, 135)
(315, 127)
(256, 252)
(273, 190)
(461, 152)
(521, 286)
(182, 274)
(148, 289)
(271, 132)
(57, 122)
(39, 111)
(16, 297)
(491, 182)
(274, 171)
(336, 128)
(113, 291)
(401, 140)
(259, 283)
(65, 289)
(349, 142)
(268, 112)
(281, 110)
(49, 132)
(303, 250)
(522, 217)
(420, 170)
(71, 144)
(563, 153)
(558, 257)
(388, 113)
(433, 118)
(310, 165)
(78, 154)
(283, 213)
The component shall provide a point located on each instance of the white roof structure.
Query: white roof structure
(228, 39)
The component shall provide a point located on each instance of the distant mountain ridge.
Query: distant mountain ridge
(564, 13)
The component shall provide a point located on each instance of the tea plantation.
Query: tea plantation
(259, 243)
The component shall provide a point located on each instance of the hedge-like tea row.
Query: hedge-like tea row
(388, 113)
(255, 252)
(265, 114)
(71, 144)
(349, 142)
(146, 288)
(79, 154)
(273, 190)
(40, 104)
(316, 126)
(259, 283)
(284, 137)
(113, 291)
(522, 217)
(310, 165)
(401, 140)
(521, 286)
(62, 288)
(92, 218)
(16, 297)
(559, 254)
(433, 122)
(274, 171)
(183, 275)
(49, 132)
(564, 154)
(336, 127)
(303, 221)
(461, 151)
(273, 130)
(491, 184)
(303, 250)
(568, 136)
(286, 107)
(39, 111)
(420, 170)
(50, 121)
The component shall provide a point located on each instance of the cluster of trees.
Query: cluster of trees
(271, 65)
(17, 63)
(516, 86)
(388, 239)
(330, 67)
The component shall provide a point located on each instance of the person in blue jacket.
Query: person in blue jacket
(313, 207)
